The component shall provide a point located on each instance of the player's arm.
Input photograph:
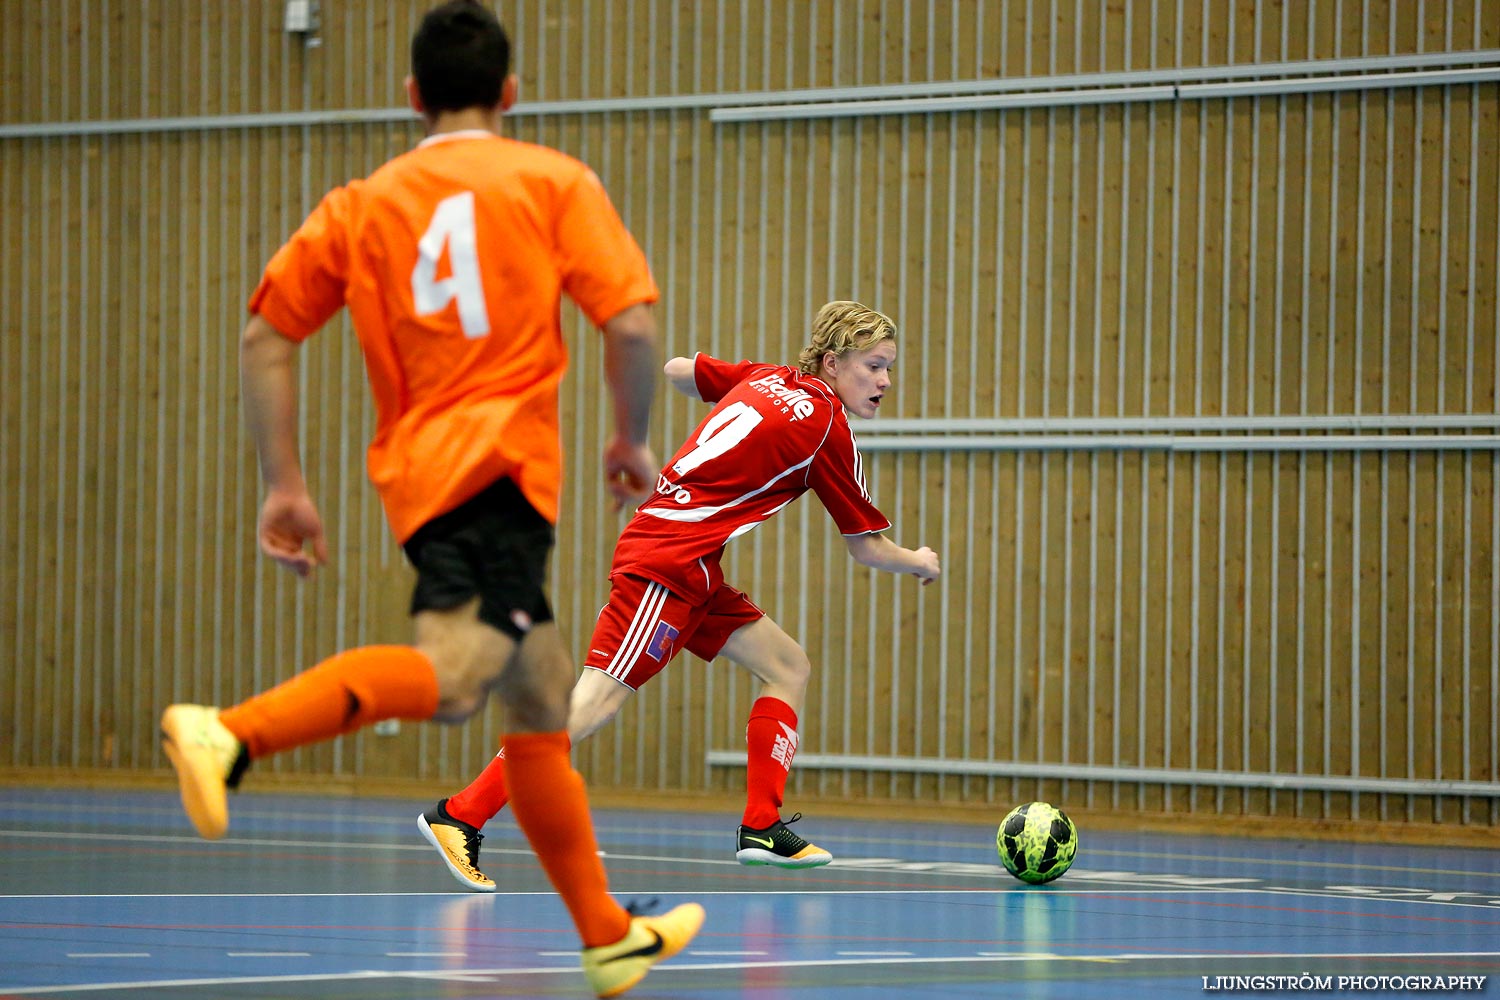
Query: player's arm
(879, 552)
(302, 287)
(268, 377)
(631, 356)
(836, 476)
(681, 376)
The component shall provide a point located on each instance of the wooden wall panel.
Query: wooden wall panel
(1301, 613)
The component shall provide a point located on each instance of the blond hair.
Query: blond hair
(842, 327)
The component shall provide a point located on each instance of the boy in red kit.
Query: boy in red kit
(451, 259)
(774, 433)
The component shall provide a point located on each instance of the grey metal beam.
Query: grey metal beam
(1031, 91)
(1148, 775)
(1224, 423)
(1153, 442)
(1073, 97)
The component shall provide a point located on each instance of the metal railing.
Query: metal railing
(1147, 775)
(1063, 90)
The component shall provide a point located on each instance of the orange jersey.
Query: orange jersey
(453, 259)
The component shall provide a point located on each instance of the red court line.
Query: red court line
(801, 879)
(467, 928)
(209, 850)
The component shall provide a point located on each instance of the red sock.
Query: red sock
(771, 739)
(551, 807)
(344, 693)
(486, 795)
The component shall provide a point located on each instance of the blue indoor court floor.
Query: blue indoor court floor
(110, 895)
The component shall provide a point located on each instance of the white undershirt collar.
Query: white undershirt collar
(468, 133)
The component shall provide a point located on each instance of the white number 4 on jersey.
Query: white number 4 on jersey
(452, 225)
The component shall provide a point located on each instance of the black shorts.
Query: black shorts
(494, 546)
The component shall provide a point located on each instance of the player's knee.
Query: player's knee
(794, 668)
(463, 684)
(457, 708)
(592, 706)
(535, 698)
(461, 692)
(535, 707)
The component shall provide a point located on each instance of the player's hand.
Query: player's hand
(291, 532)
(629, 471)
(927, 568)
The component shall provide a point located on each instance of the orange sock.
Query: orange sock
(551, 807)
(345, 692)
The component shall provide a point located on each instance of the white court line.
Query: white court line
(613, 830)
(269, 954)
(426, 954)
(454, 894)
(322, 845)
(1052, 890)
(148, 984)
(1123, 887)
(981, 959)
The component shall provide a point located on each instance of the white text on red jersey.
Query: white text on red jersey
(799, 401)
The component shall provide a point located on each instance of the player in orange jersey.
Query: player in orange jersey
(452, 258)
(774, 433)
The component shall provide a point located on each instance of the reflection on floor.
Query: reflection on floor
(109, 894)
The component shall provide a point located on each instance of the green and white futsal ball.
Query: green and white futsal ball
(1037, 842)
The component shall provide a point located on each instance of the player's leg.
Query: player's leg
(457, 841)
(771, 734)
(443, 675)
(546, 794)
(775, 658)
(633, 638)
(453, 824)
(550, 805)
(771, 741)
(595, 700)
(494, 548)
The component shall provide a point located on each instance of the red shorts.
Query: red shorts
(644, 625)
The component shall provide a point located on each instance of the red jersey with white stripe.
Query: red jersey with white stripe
(774, 434)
